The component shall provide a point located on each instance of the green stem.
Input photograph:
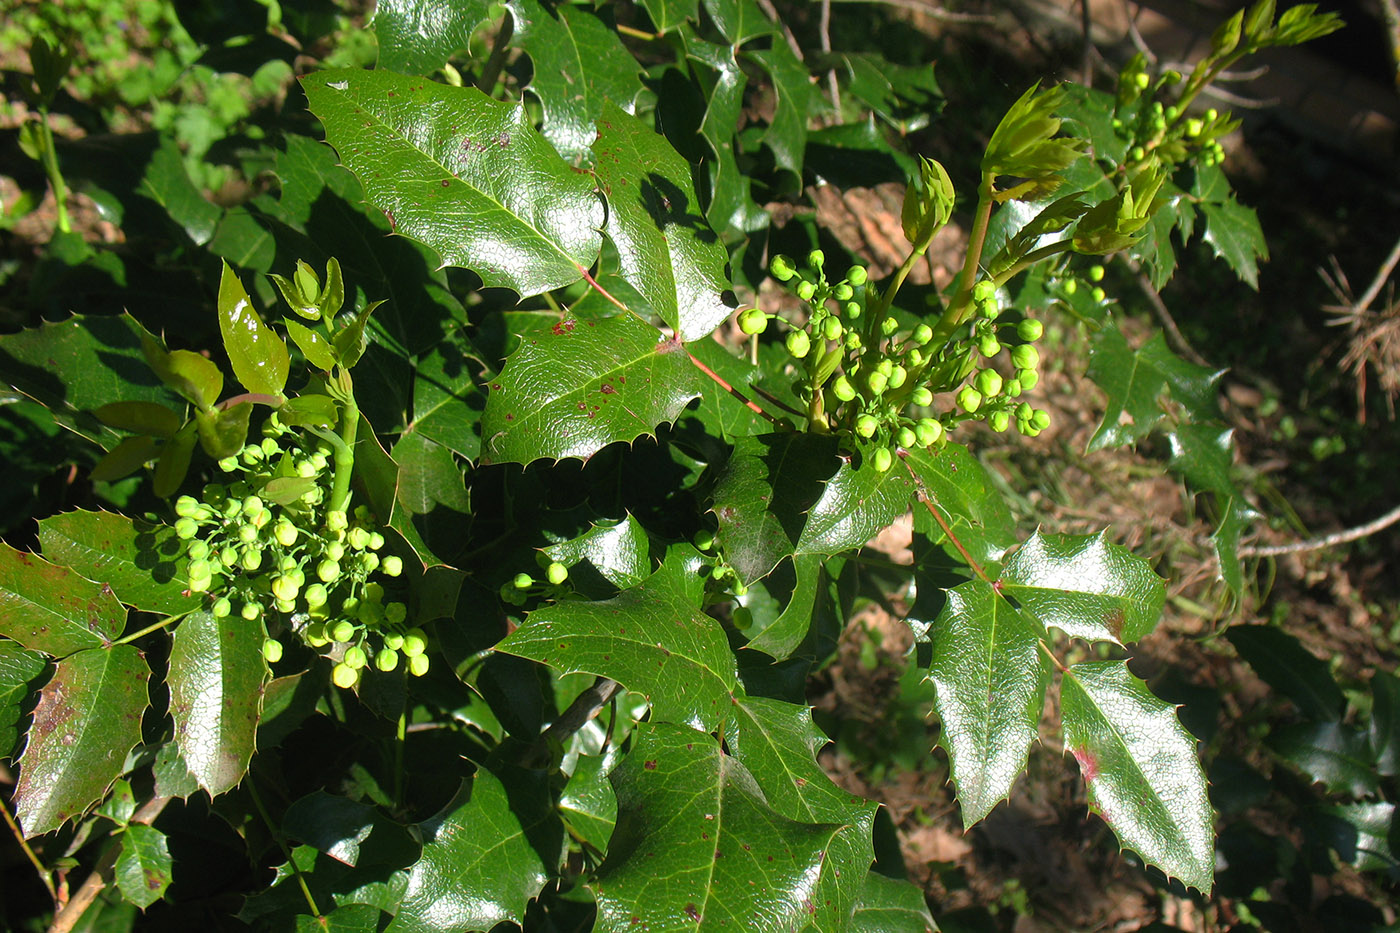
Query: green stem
(60, 188)
(1033, 257)
(153, 627)
(286, 853)
(957, 309)
(345, 454)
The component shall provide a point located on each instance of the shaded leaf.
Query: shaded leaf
(588, 803)
(584, 385)
(786, 133)
(1330, 753)
(418, 36)
(18, 667)
(1085, 587)
(668, 14)
(88, 718)
(167, 182)
(143, 868)
(465, 174)
(429, 476)
(666, 248)
(619, 550)
(890, 906)
(1235, 514)
(580, 64)
(216, 684)
(140, 418)
(142, 563)
(697, 847)
(333, 825)
(1141, 769)
(485, 855)
(786, 633)
(1385, 722)
(1284, 664)
(653, 639)
(1134, 381)
(52, 609)
(738, 20)
(1361, 834)
(1233, 232)
(989, 676)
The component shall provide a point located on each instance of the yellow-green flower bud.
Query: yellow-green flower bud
(285, 533)
(922, 396)
(556, 573)
(782, 267)
(866, 425)
(882, 460)
(857, 275)
(418, 665)
(988, 382)
(387, 659)
(1030, 330)
(1025, 356)
(999, 421)
(342, 631)
(922, 335)
(816, 259)
(523, 581)
(798, 344)
(929, 431)
(344, 676)
(841, 388)
(969, 399)
(414, 642)
(391, 566)
(1028, 378)
(752, 321)
(251, 611)
(355, 657)
(271, 650)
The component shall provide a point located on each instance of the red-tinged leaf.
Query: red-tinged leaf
(88, 718)
(142, 563)
(582, 385)
(1140, 765)
(52, 609)
(216, 683)
(259, 357)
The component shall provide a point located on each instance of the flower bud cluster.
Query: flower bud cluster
(1155, 129)
(865, 373)
(519, 589)
(264, 546)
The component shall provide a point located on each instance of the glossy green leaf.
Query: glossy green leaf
(1141, 769)
(989, 676)
(786, 134)
(140, 418)
(216, 683)
(223, 431)
(172, 775)
(167, 182)
(383, 481)
(1085, 587)
(583, 385)
(588, 804)
(731, 206)
(739, 20)
(81, 364)
(698, 848)
(143, 868)
(18, 666)
(786, 633)
(351, 918)
(1385, 722)
(1235, 516)
(1284, 664)
(1362, 834)
(317, 349)
(1204, 454)
(142, 563)
(722, 415)
(901, 95)
(1134, 381)
(88, 718)
(447, 401)
(258, 356)
(314, 410)
(334, 825)
(778, 743)
(419, 36)
(665, 246)
(196, 378)
(955, 483)
(483, 860)
(669, 14)
(855, 505)
(619, 550)
(429, 476)
(52, 609)
(1331, 753)
(465, 174)
(580, 66)
(763, 494)
(653, 639)
(1233, 232)
(890, 906)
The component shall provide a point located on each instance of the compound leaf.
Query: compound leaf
(665, 246)
(141, 562)
(653, 639)
(696, 845)
(88, 718)
(1085, 587)
(1141, 769)
(583, 385)
(52, 609)
(989, 676)
(216, 684)
(483, 859)
(465, 174)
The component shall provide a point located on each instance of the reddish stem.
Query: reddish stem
(724, 384)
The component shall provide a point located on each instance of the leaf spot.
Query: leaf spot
(649, 765)
(692, 913)
(1088, 764)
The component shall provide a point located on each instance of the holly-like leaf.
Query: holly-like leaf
(989, 676)
(447, 402)
(1233, 232)
(763, 494)
(890, 906)
(583, 385)
(1204, 453)
(1085, 587)
(141, 562)
(167, 182)
(901, 95)
(855, 506)
(653, 639)
(620, 551)
(485, 855)
(18, 666)
(1235, 514)
(665, 246)
(668, 14)
(778, 743)
(334, 825)
(718, 412)
(417, 37)
(465, 174)
(144, 866)
(739, 20)
(580, 66)
(52, 609)
(216, 683)
(79, 365)
(88, 718)
(1141, 769)
(696, 845)
(1284, 664)
(956, 484)
(1385, 722)
(1362, 834)
(1134, 382)
(786, 633)
(731, 205)
(786, 134)
(588, 804)
(429, 476)
(1331, 753)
